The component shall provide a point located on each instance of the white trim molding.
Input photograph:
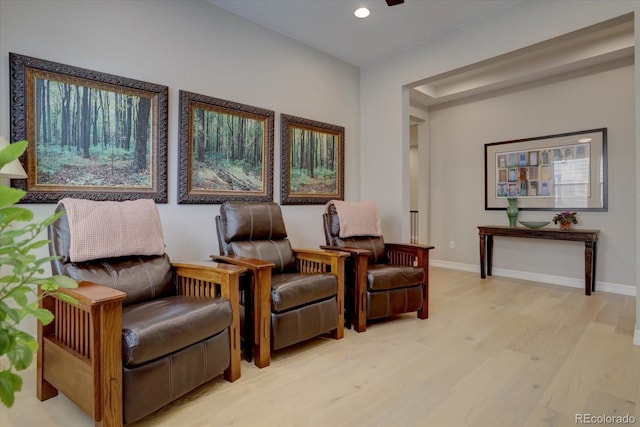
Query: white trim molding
(615, 288)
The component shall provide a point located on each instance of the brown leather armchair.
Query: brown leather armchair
(296, 294)
(382, 279)
(143, 332)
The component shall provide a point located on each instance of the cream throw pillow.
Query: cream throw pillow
(105, 229)
(358, 218)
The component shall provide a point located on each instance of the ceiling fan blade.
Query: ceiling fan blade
(394, 2)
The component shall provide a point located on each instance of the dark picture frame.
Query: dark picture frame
(226, 151)
(92, 135)
(563, 171)
(312, 161)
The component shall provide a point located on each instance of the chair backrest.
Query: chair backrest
(142, 278)
(255, 230)
(374, 244)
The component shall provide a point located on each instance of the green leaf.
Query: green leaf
(12, 152)
(42, 314)
(48, 259)
(53, 218)
(36, 245)
(6, 339)
(12, 313)
(20, 295)
(53, 283)
(64, 282)
(10, 383)
(27, 340)
(14, 213)
(20, 356)
(9, 278)
(10, 196)
(66, 298)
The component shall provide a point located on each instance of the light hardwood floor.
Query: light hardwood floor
(494, 352)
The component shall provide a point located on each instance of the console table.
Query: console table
(589, 237)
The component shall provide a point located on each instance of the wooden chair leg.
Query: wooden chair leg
(423, 313)
(44, 389)
(262, 318)
(360, 295)
(107, 364)
(338, 268)
(423, 261)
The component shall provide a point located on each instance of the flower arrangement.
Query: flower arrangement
(565, 219)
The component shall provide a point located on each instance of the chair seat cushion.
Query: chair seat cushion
(383, 277)
(291, 290)
(160, 327)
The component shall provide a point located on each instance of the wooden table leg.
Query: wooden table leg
(589, 267)
(482, 256)
(489, 253)
(593, 266)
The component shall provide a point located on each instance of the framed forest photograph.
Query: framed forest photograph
(91, 135)
(312, 161)
(226, 151)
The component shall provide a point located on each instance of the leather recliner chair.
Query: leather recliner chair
(297, 294)
(382, 279)
(143, 332)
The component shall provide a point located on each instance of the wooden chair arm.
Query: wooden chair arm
(197, 277)
(202, 278)
(92, 299)
(85, 339)
(88, 294)
(407, 247)
(409, 254)
(351, 251)
(311, 261)
(252, 264)
(322, 256)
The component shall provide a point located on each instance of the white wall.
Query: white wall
(195, 46)
(385, 142)
(459, 131)
(414, 169)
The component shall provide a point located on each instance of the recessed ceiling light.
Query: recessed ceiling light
(584, 140)
(362, 12)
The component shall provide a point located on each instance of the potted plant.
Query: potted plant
(565, 219)
(21, 274)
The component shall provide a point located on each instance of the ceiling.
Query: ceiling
(610, 43)
(330, 26)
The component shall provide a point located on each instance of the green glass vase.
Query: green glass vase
(512, 211)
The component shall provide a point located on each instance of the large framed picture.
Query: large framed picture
(226, 151)
(312, 161)
(91, 135)
(563, 171)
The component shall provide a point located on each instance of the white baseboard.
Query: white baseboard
(614, 288)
